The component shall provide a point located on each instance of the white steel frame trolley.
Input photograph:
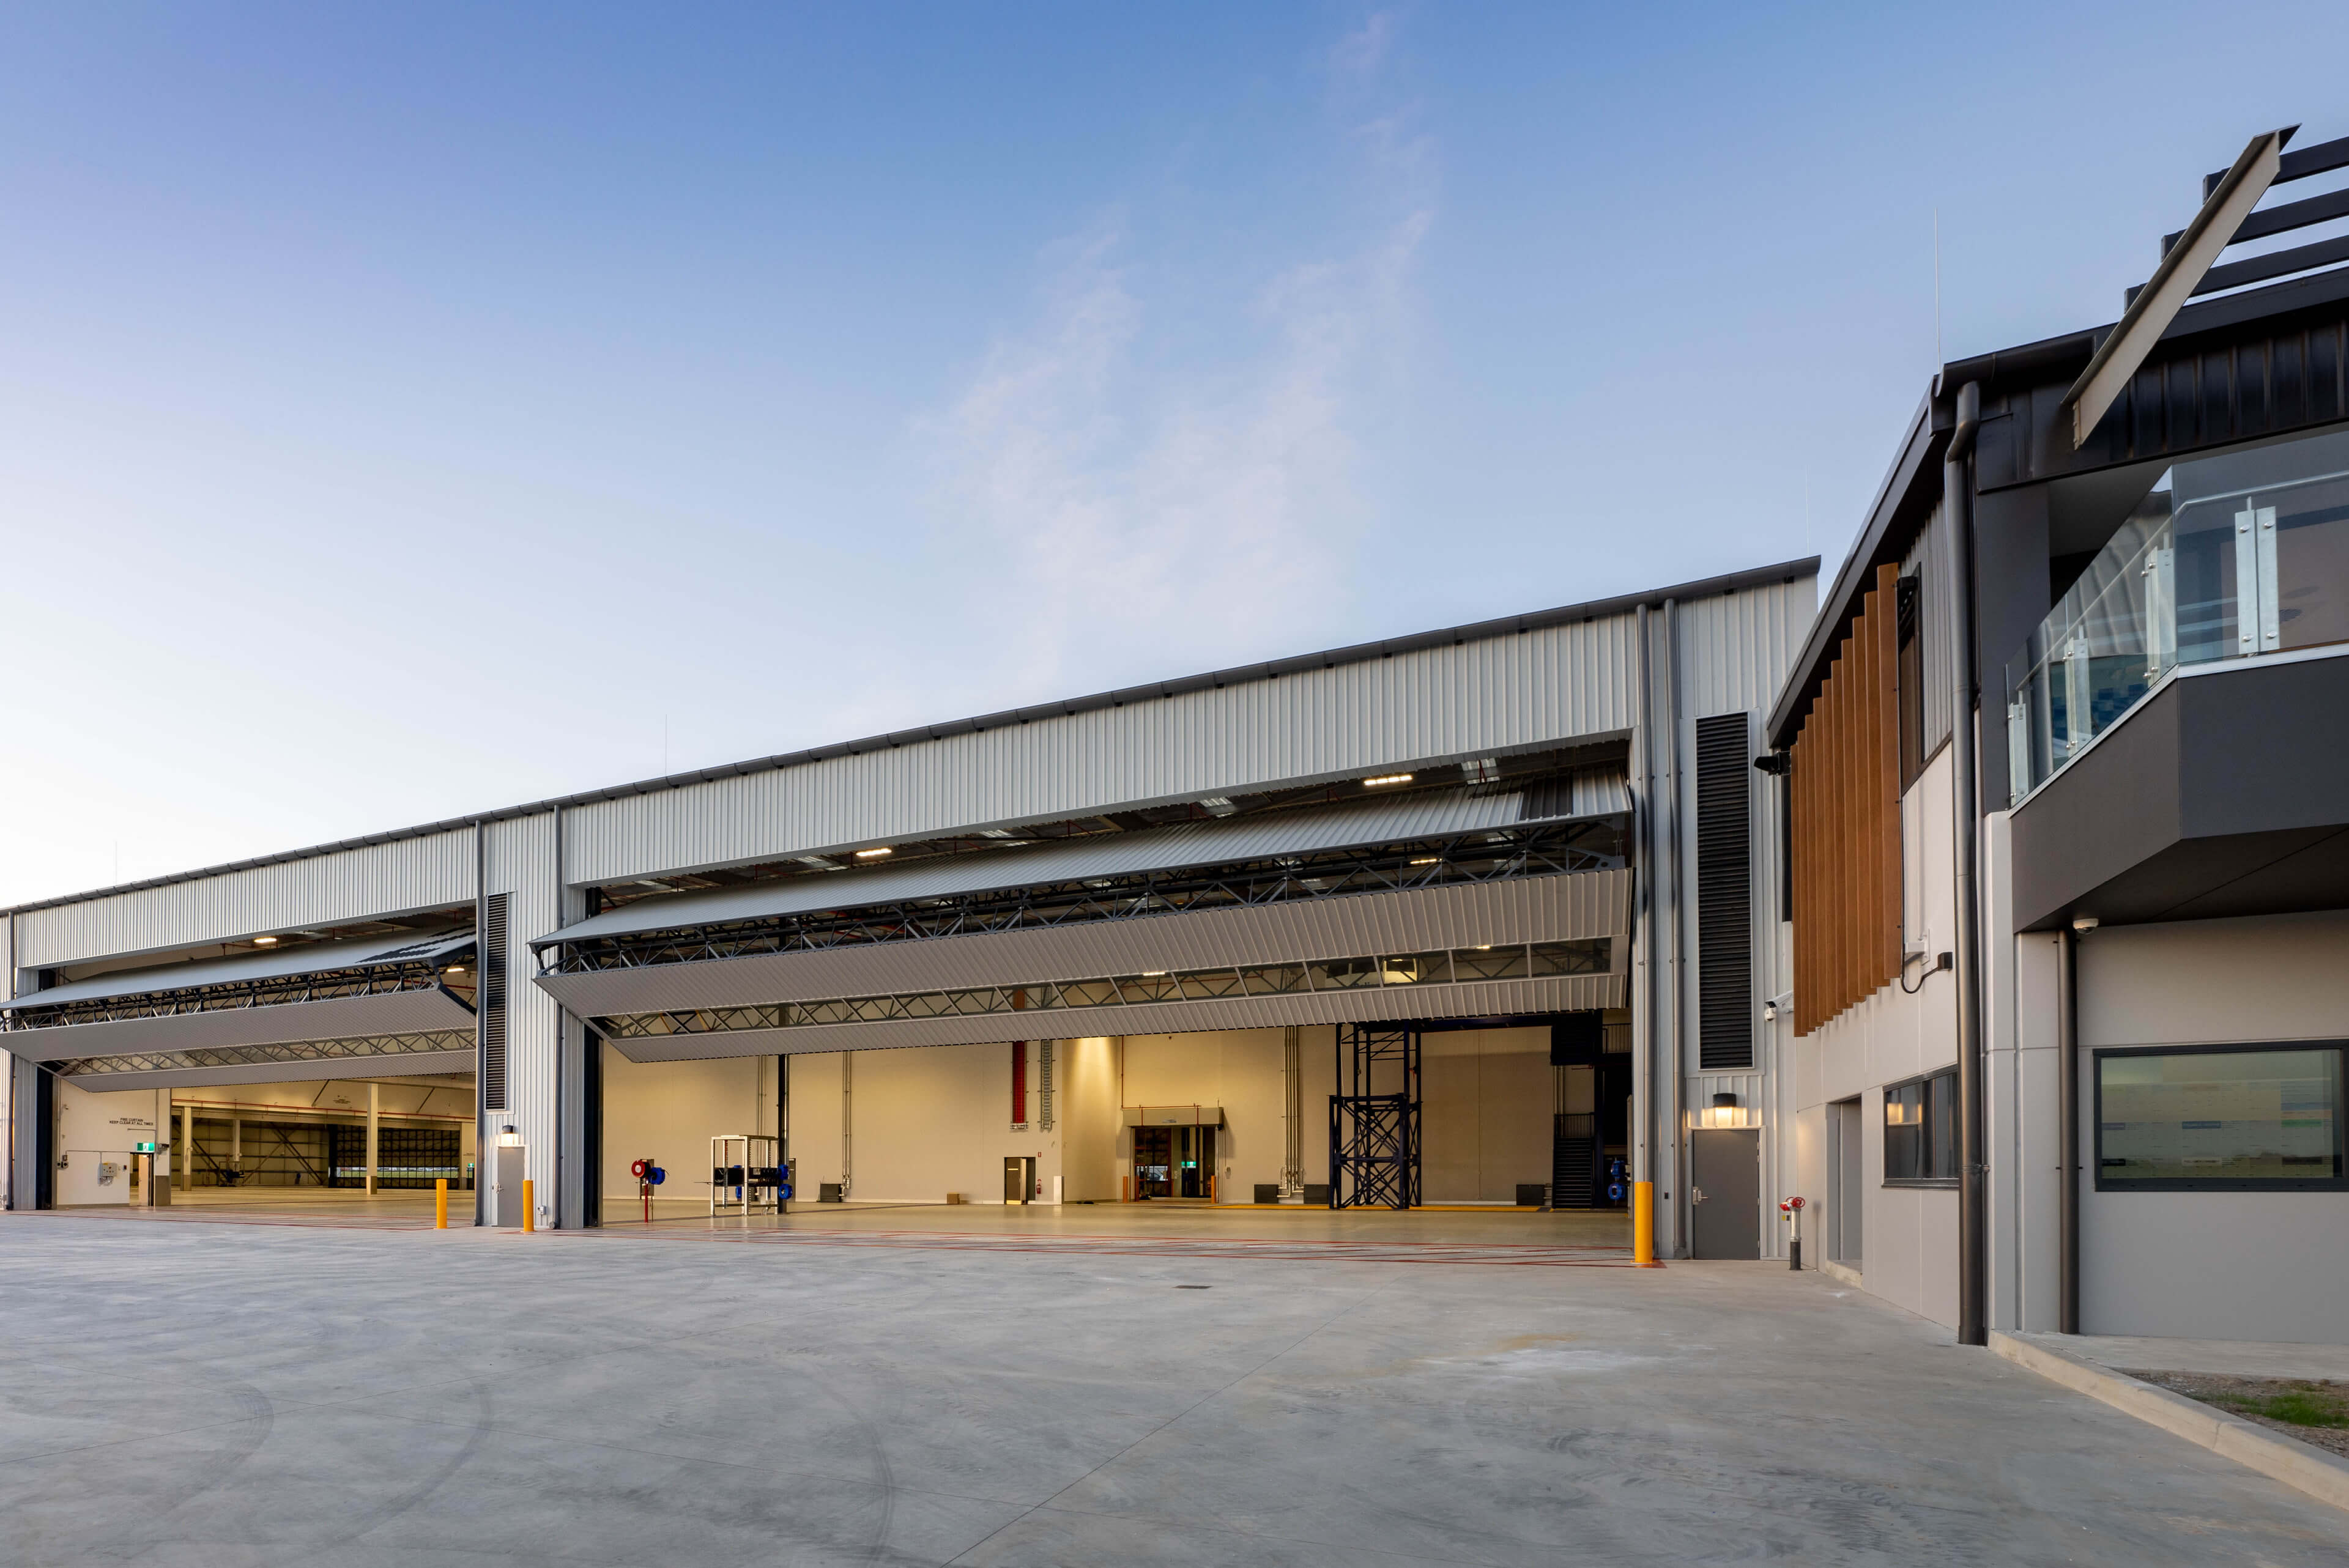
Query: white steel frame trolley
(756, 1186)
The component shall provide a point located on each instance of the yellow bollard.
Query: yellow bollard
(526, 1216)
(440, 1204)
(1643, 1225)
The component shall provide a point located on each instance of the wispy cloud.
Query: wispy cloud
(1186, 518)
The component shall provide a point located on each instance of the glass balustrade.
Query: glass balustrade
(2228, 557)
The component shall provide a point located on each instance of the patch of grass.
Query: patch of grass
(2307, 1405)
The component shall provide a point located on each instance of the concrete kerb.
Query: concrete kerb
(2283, 1458)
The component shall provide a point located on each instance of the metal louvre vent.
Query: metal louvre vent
(494, 961)
(1724, 909)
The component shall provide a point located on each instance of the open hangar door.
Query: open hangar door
(382, 1142)
(664, 1116)
(307, 1068)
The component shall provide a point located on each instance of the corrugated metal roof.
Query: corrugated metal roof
(1214, 842)
(310, 958)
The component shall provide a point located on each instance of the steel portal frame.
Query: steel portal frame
(1374, 1137)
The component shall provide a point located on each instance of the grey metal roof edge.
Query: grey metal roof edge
(1359, 653)
(2046, 358)
(1909, 465)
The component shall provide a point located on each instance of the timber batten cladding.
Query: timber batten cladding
(1846, 790)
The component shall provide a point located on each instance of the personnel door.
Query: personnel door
(1725, 1192)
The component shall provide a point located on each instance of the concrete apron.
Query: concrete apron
(2296, 1464)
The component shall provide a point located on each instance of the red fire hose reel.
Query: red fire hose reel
(648, 1176)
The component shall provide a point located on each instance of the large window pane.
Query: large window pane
(1920, 1129)
(2228, 1117)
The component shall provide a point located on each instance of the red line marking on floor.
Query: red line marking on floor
(1305, 1250)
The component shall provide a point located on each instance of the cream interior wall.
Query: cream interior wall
(1485, 1119)
(668, 1112)
(2220, 1265)
(91, 1126)
(1238, 1069)
(1089, 1120)
(934, 1120)
(816, 1145)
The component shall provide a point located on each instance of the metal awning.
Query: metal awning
(250, 968)
(1591, 792)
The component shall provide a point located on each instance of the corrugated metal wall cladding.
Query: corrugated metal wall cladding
(1735, 647)
(521, 866)
(1537, 909)
(405, 875)
(1550, 684)
(1566, 993)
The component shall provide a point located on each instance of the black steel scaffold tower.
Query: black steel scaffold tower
(1375, 1118)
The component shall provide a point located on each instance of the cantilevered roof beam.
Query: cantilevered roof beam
(2173, 282)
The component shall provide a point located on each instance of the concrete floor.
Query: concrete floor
(233, 1394)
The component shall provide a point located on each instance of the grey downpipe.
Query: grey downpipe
(1682, 1211)
(2067, 1143)
(1643, 1082)
(1973, 1252)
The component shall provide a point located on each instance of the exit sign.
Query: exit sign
(146, 1149)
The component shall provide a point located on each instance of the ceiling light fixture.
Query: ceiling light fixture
(1389, 779)
(1426, 859)
(264, 941)
(875, 854)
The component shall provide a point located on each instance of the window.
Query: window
(1920, 1132)
(2219, 1119)
(1908, 608)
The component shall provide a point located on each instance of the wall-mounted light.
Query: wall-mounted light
(1724, 1112)
(875, 854)
(2085, 923)
(508, 1138)
(1388, 778)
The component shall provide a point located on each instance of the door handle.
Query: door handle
(1696, 1194)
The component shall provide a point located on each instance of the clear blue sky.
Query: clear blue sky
(411, 409)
